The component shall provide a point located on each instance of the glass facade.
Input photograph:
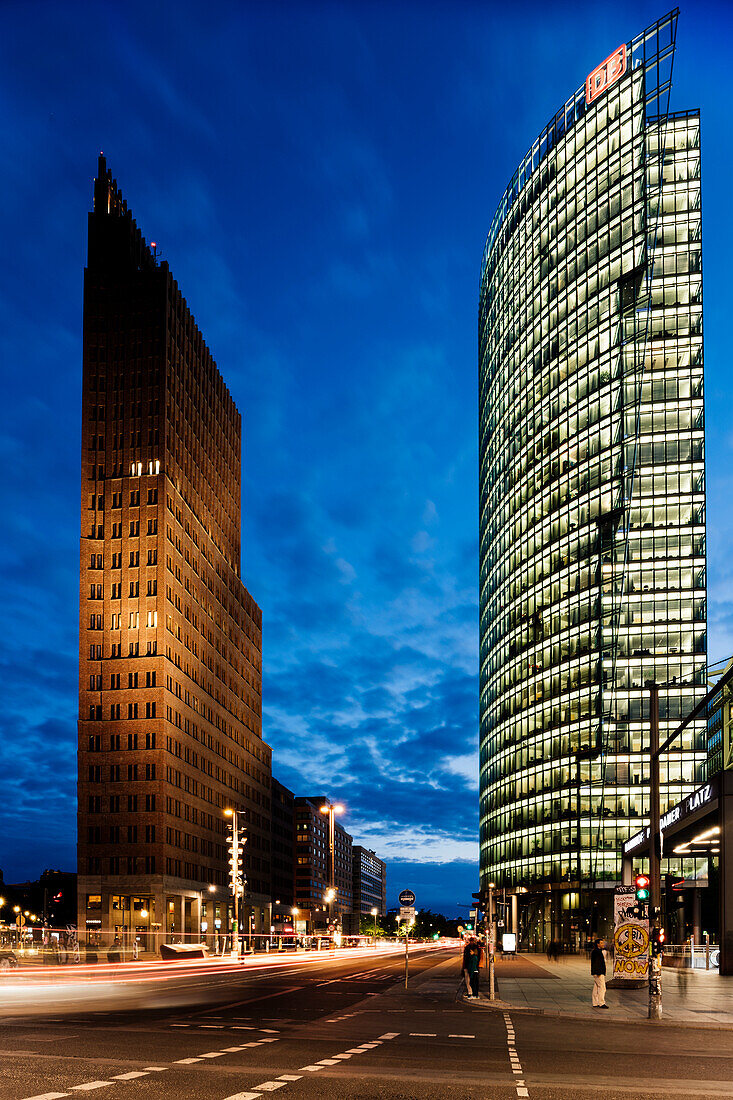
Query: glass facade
(592, 478)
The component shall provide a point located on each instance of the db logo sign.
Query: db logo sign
(606, 73)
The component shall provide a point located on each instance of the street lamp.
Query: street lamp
(374, 914)
(331, 809)
(236, 876)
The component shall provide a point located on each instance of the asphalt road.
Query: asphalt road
(338, 1029)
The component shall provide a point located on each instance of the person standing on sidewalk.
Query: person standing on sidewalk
(598, 971)
(471, 963)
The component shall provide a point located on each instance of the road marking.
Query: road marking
(48, 1096)
(156, 1069)
(270, 1086)
(343, 1057)
(186, 1061)
(461, 1036)
(244, 1096)
(90, 1085)
(233, 1050)
(522, 1091)
(389, 1035)
(355, 1050)
(328, 1062)
(180, 1025)
(303, 1069)
(130, 1076)
(213, 1054)
(423, 1034)
(212, 1027)
(289, 1077)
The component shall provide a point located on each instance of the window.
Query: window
(114, 834)
(151, 619)
(132, 740)
(132, 798)
(116, 621)
(150, 834)
(117, 561)
(114, 773)
(134, 588)
(134, 649)
(114, 804)
(132, 834)
(114, 712)
(149, 802)
(114, 865)
(95, 622)
(95, 742)
(95, 682)
(95, 712)
(152, 496)
(116, 530)
(95, 592)
(132, 679)
(152, 557)
(150, 679)
(152, 526)
(114, 681)
(150, 710)
(132, 710)
(150, 771)
(134, 558)
(134, 620)
(116, 591)
(149, 740)
(135, 498)
(116, 649)
(152, 587)
(95, 653)
(114, 741)
(150, 865)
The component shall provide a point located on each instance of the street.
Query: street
(346, 1028)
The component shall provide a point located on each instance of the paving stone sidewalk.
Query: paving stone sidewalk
(564, 988)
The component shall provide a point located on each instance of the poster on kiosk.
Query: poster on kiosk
(630, 938)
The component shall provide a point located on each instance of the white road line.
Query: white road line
(47, 1096)
(180, 1025)
(186, 1061)
(270, 1039)
(156, 1069)
(212, 1027)
(328, 1062)
(355, 1050)
(461, 1036)
(270, 1086)
(245, 1096)
(90, 1085)
(303, 1069)
(233, 1050)
(423, 1034)
(389, 1035)
(213, 1054)
(242, 1027)
(130, 1076)
(289, 1077)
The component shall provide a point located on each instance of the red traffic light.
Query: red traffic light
(641, 882)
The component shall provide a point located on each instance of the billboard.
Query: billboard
(630, 937)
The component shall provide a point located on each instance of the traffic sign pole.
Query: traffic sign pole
(407, 900)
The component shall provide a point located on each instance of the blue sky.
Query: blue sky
(321, 178)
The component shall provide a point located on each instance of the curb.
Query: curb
(507, 1006)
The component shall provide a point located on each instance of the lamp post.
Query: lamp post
(236, 877)
(374, 914)
(331, 809)
(328, 898)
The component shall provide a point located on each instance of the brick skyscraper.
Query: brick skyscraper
(170, 654)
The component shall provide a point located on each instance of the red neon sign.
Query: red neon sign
(605, 75)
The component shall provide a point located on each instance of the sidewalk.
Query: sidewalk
(529, 983)
(564, 988)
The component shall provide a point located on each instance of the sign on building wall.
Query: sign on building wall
(630, 937)
(605, 74)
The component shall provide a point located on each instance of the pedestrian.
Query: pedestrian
(598, 970)
(471, 963)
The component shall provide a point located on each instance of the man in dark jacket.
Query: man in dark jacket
(598, 970)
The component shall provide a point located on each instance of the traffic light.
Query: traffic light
(657, 940)
(641, 885)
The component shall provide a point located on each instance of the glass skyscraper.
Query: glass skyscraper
(592, 485)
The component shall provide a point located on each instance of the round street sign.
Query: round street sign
(407, 897)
